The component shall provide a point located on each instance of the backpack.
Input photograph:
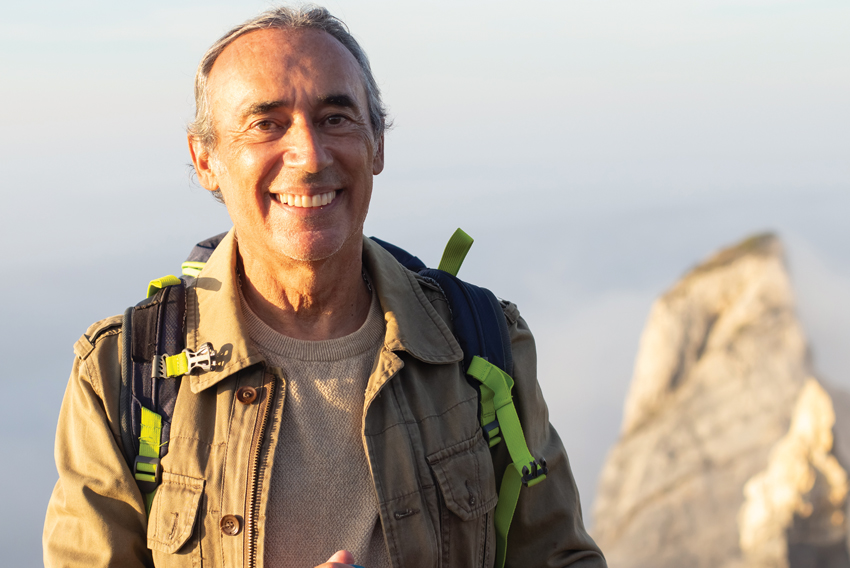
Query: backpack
(155, 358)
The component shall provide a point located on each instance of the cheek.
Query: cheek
(243, 172)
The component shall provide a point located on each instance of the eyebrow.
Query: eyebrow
(338, 100)
(264, 107)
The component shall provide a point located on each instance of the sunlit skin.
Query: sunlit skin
(291, 118)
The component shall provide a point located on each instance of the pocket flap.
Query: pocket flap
(173, 512)
(465, 475)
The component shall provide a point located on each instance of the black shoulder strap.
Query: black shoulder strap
(151, 328)
(479, 322)
(482, 331)
(201, 252)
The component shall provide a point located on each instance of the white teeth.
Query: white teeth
(306, 200)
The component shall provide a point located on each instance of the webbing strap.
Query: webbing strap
(176, 365)
(456, 249)
(488, 416)
(499, 383)
(508, 497)
(192, 268)
(160, 283)
(150, 440)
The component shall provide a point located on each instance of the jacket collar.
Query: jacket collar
(214, 314)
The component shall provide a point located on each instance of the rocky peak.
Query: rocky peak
(724, 458)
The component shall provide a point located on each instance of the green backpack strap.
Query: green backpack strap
(160, 283)
(147, 469)
(498, 407)
(455, 252)
(499, 419)
(192, 268)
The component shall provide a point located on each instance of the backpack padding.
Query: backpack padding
(126, 395)
(201, 252)
(405, 258)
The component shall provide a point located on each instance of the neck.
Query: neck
(310, 300)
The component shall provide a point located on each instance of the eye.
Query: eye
(335, 120)
(264, 125)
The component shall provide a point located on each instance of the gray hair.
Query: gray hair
(284, 17)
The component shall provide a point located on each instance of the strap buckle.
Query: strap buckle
(148, 473)
(202, 359)
(186, 362)
(491, 432)
(537, 471)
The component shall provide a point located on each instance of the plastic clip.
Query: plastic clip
(186, 362)
(538, 469)
(149, 476)
(203, 359)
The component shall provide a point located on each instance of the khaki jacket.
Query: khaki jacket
(434, 476)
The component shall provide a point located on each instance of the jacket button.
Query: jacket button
(246, 395)
(230, 525)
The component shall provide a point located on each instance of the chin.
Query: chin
(315, 250)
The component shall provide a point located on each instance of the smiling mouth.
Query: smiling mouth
(305, 201)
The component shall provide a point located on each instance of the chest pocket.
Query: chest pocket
(172, 517)
(464, 474)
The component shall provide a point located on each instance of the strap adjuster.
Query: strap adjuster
(536, 473)
(491, 433)
(148, 473)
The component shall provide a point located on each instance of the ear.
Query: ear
(378, 161)
(201, 160)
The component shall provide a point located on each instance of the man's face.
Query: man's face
(295, 151)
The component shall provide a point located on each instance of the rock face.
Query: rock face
(727, 456)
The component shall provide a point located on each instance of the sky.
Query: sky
(595, 149)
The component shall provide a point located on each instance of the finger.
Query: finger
(342, 556)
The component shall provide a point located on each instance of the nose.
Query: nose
(305, 149)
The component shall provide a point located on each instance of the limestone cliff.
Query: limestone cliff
(726, 454)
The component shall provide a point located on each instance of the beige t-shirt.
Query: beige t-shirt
(322, 498)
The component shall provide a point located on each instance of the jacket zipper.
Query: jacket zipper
(255, 474)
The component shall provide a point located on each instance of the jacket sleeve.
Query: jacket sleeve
(547, 528)
(96, 516)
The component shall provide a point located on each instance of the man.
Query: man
(337, 423)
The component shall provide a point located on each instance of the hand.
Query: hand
(340, 559)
